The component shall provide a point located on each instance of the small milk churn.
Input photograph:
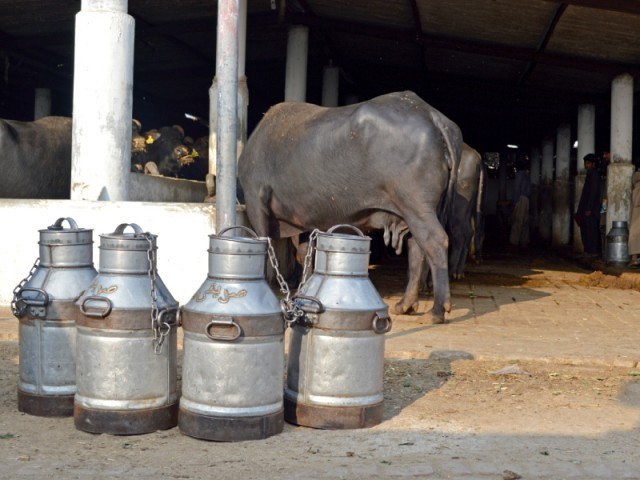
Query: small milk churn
(233, 369)
(126, 341)
(618, 244)
(44, 304)
(336, 349)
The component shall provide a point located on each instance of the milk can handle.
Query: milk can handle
(120, 229)
(224, 322)
(381, 328)
(254, 234)
(35, 301)
(344, 225)
(58, 224)
(309, 307)
(98, 314)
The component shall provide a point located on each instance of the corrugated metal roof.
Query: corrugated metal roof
(497, 67)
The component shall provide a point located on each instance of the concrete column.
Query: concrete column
(102, 101)
(243, 105)
(534, 171)
(42, 106)
(503, 204)
(561, 216)
(586, 144)
(227, 108)
(330, 86)
(546, 189)
(295, 88)
(621, 169)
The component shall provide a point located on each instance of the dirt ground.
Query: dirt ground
(448, 417)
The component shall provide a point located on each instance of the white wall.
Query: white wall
(183, 231)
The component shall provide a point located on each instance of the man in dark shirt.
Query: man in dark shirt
(588, 214)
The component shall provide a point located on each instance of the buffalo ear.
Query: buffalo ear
(151, 136)
(179, 129)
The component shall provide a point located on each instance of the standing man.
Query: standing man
(588, 215)
(520, 218)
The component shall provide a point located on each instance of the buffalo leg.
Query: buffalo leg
(431, 238)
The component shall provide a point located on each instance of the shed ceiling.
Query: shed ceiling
(504, 70)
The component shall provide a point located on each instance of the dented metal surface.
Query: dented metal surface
(233, 369)
(336, 355)
(126, 341)
(43, 303)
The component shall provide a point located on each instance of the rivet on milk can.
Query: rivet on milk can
(618, 244)
(233, 368)
(44, 304)
(335, 364)
(126, 341)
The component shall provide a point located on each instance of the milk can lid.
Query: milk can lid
(121, 240)
(343, 242)
(225, 244)
(56, 234)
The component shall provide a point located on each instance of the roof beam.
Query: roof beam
(449, 43)
(545, 40)
(622, 6)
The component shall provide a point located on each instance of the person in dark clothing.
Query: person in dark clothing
(588, 214)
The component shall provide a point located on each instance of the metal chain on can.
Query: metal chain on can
(17, 306)
(290, 308)
(160, 329)
(306, 269)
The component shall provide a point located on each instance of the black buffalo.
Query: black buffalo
(160, 151)
(35, 158)
(464, 208)
(388, 163)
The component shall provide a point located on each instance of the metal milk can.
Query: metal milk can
(336, 350)
(126, 341)
(618, 244)
(44, 304)
(233, 369)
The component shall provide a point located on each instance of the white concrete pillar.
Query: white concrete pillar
(243, 104)
(42, 104)
(534, 172)
(102, 101)
(586, 144)
(295, 90)
(561, 206)
(295, 87)
(330, 86)
(621, 169)
(586, 133)
(546, 189)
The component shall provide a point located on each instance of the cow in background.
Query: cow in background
(198, 168)
(464, 208)
(388, 163)
(159, 151)
(35, 158)
(462, 223)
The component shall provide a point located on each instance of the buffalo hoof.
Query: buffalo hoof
(437, 318)
(401, 307)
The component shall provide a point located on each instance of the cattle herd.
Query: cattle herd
(36, 156)
(392, 163)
